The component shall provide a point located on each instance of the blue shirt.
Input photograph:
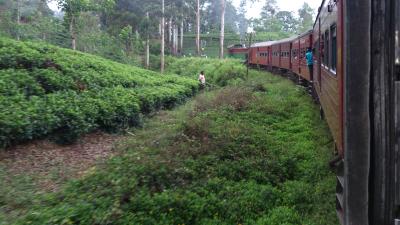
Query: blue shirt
(309, 58)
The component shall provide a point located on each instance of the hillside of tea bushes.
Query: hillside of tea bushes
(253, 153)
(46, 91)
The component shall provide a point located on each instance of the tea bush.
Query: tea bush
(50, 91)
(211, 162)
(218, 72)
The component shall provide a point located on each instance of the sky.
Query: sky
(253, 11)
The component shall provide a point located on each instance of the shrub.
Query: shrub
(218, 72)
(47, 90)
(210, 163)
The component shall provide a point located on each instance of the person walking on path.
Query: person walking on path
(202, 80)
(310, 62)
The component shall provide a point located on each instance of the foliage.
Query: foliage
(259, 160)
(306, 14)
(51, 91)
(218, 72)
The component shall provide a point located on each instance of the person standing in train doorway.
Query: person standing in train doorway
(310, 62)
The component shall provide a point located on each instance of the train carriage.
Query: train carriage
(276, 55)
(294, 56)
(261, 53)
(238, 51)
(305, 42)
(285, 51)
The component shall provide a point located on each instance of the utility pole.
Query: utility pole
(147, 44)
(222, 34)
(162, 36)
(248, 55)
(198, 28)
(18, 18)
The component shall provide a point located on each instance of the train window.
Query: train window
(326, 50)
(333, 47)
(322, 42)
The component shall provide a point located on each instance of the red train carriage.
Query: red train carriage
(261, 53)
(305, 42)
(294, 56)
(328, 74)
(238, 51)
(328, 69)
(285, 46)
(276, 52)
(281, 53)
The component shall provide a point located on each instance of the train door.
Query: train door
(397, 109)
(384, 190)
(396, 121)
(290, 56)
(321, 49)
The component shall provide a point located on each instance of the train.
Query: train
(356, 81)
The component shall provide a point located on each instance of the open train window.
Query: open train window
(333, 48)
(326, 49)
(322, 42)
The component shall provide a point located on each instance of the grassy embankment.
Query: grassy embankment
(251, 152)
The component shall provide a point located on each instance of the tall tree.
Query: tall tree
(222, 33)
(147, 63)
(74, 8)
(18, 19)
(306, 14)
(198, 27)
(287, 21)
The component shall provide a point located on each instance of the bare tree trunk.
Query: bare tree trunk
(170, 31)
(147, 64)
(72, 32)
(162, 37)
(181, 40)
(222, 35)
(18, 19)
(176, 39)
(198, 28)
(172, 44)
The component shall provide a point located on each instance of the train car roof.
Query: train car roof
(305, 33)
(286, 40)
(237, 46)
(319, 12)
(263, 44)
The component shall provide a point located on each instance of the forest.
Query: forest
(129, 31)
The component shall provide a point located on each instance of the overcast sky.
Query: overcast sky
(253, 11)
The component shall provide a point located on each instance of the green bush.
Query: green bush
(218, 72)
(254, 158)
(47, 90)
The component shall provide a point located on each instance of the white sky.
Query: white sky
(253, 10)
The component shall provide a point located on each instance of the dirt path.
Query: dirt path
(52, 165)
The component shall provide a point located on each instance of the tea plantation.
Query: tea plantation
(49, 91)
(249, 150)
(250, 153)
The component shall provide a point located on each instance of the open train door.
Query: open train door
(397, 112)
(372, 112)
(384, 198)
